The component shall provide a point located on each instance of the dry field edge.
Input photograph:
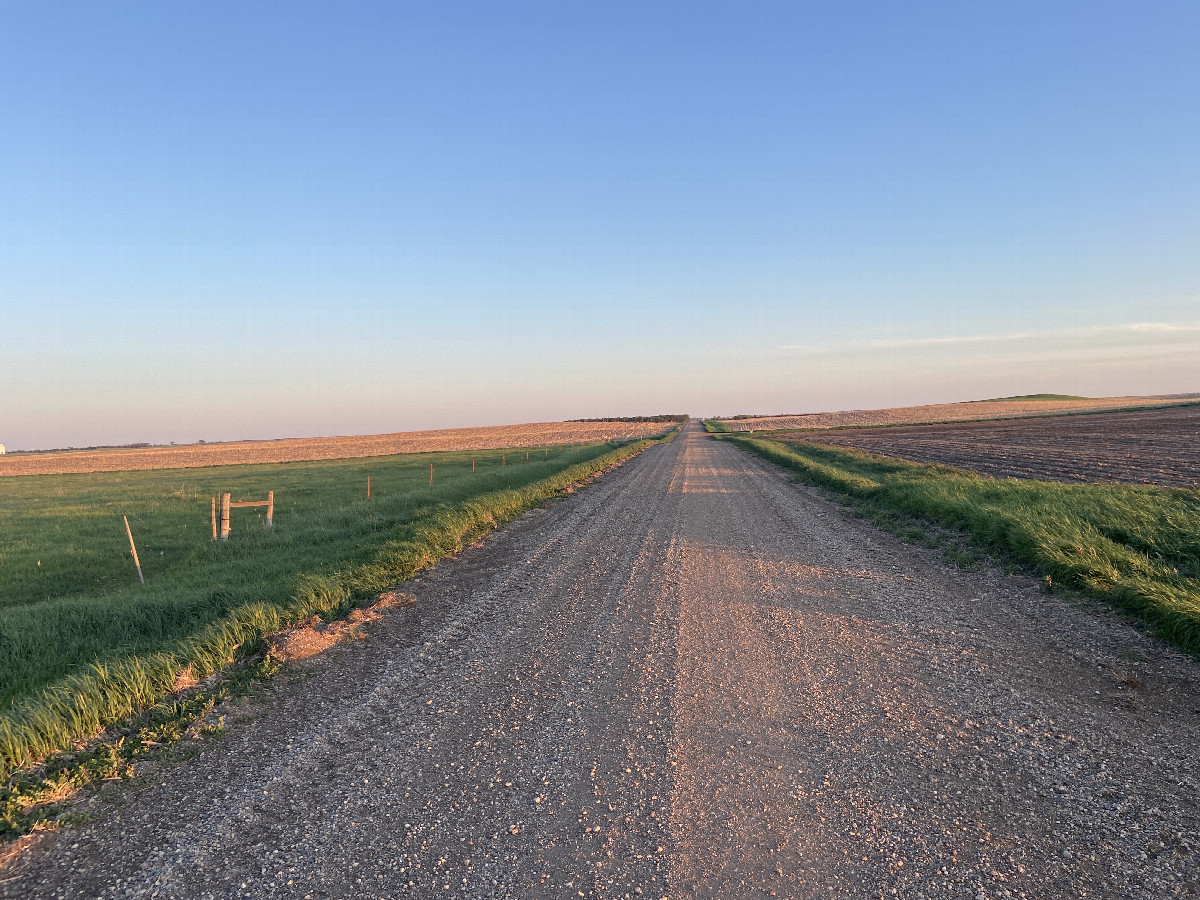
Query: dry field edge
(119, 459)
(942, 414)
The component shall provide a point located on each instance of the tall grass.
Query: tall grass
(1133, 545)
(78, 653)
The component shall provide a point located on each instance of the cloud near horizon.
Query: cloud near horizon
(1099, 331)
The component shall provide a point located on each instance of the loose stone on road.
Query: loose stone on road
(691, 679)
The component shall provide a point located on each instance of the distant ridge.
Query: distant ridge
(1034, 397)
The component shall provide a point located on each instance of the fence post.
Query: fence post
(270, 508)
(431, 473)
(214, 517)
(225, 501)
(134, 549)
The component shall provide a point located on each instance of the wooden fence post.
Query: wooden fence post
(472, 464)
(368, 487)
(431, 473)
(270, 509)
(214, 517)
(134, 549)
(225, 501)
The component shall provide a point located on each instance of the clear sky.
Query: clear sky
(225, 220)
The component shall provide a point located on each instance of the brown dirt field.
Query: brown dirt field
(191, 456)
(316, 636)
(1155, 446)
(944, 412)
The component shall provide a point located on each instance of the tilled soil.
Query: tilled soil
(1153, 446)
(691, 679)
(947, 412)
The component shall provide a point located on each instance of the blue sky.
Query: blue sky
(255, 220)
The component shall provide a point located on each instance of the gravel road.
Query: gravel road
(690, 679)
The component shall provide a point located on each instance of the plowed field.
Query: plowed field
(945, 412)
(1154, 446)
(535, 434)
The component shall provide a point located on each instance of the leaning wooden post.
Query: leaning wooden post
(472, 464)
(368, 487)
(431, 473)
(225, 501)
(214, 517)
(270, 508)
(134, 549)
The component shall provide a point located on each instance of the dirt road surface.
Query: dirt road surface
(691, 679)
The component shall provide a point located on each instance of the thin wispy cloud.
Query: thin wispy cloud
(1131, 328)
(1162, 327)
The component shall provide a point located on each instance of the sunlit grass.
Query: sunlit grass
(82, 644)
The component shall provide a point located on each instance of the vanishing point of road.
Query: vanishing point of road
(692, 678)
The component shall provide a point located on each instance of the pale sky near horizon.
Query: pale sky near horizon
(224, 221)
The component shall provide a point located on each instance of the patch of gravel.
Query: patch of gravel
(691, 679)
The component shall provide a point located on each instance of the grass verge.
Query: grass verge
(42, 797)
(193, 623)
(1135, 546)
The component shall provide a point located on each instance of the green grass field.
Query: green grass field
(83, 644)
(1133, 545)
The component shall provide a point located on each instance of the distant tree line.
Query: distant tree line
(662, 418)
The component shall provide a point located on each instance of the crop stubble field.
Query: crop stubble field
(1147, 446)
(1016, 407)
(121, 459)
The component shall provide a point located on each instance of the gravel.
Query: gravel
(691, 679)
